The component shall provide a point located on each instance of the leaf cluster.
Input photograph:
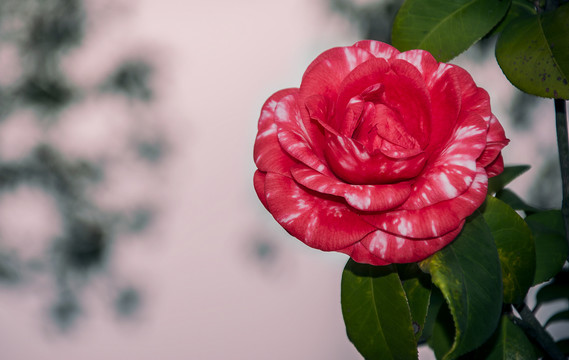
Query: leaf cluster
(533, 37)
(464, 300)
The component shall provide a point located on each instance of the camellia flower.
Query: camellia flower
(379, 154)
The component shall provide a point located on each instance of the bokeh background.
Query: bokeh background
(129, 227)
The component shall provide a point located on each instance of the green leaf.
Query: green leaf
(533, 53)
(508, 342)
(443, 332)
(514, 201)
(445, 28)
(376, 314)
(560, 316)
(515, 244)
(499, 182)
(519, 8)
(550, 244)
(435, 303)
(563, 345)
(418, 293)
(467, 271)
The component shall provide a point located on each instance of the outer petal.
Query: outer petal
(259, 184)
(361, 197)
(318, 221)
(496, 140)
(496, 167)
(268, 153)
(396, 249)
(453, 171)
(378, 49)
(325, 74)
(294, 137)
(435, 220)
(361, 254)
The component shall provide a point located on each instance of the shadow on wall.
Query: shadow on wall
(52, 228)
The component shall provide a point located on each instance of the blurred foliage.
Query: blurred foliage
(43, 32)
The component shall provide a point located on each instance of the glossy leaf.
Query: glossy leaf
(435, 302)
(550, 244)
(468, 273)
(376, 314)
(514, 241)
(514, 201)
(445, 28)
(508, 342)
(499, 182)
(418, 295)
(533, 53)
(518, 8)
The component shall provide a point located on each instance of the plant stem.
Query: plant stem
(563, 147)
(529, 324)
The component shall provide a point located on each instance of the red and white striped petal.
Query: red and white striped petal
(378, 49)
(351, 162)
(325, 74)
(427, 65)
(259, 184)
(361, 254)
(319, 222)
(361, 197)
(495, 167)
(294, 137)
(496, 141)
(435, 220)
(452, 172)
(267, 152)
(397, 249)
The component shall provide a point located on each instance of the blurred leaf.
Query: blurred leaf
(508, 342)
(467, 271)
(515, 244)
(418, 293)
(499, 182)
(560, 316)
(550, 244)
(445, 28)
(376, 314)
(533, 53)
(514, 201)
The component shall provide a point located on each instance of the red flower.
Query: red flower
(379, 154)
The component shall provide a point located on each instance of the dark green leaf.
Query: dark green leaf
(514, 201)
(515, 246)
(533, 53)
(519, 8)
(418, 292)
(563, 345)
(497, 183)
(376, 313)
(435, 303)
(560, 316)
(443, 332)
(508, 342)
(550, 244)
(445, 28)
(467, 271)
